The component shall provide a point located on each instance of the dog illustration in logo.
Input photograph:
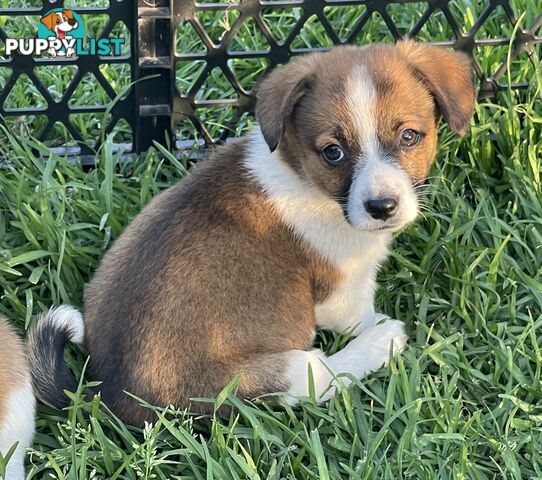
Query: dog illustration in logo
(60, 23)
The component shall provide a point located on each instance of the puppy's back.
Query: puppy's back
(17, 403)
(203, 278)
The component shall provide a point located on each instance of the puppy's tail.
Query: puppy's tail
(46, 343)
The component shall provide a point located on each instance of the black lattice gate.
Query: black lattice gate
(187, 68)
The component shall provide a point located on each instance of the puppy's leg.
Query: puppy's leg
(288, 371)
(366, 353)
(348, 311)
(17, 426)
(350, 307)
(70, 51)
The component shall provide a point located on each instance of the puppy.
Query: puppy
(60, 23)
(230, 271)
(17, 402)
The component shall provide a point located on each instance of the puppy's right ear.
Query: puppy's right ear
(48, 21)
(278, 95)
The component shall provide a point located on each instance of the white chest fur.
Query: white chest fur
(351, 303)
(319, 220)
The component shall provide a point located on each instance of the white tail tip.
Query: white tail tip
(70, 318)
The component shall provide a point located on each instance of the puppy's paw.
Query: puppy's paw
(387, 332)
(370, 321)
(381, 318)
(375, 343)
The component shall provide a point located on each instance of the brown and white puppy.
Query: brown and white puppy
(17, 402)
(230, 271)
(60, 23)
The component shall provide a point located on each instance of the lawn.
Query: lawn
(463, 401)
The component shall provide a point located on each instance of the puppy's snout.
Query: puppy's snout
(381, 208)
(72, 22)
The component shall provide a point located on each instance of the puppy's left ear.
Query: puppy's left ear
(448, 75)
(278, 94)
(48, 21)
(68, 13)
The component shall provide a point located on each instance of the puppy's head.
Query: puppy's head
(60, 21)
(360, 123)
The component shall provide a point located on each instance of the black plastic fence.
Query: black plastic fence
(191, 63)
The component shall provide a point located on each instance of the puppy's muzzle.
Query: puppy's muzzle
(381, 208)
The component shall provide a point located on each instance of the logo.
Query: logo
(61, 33)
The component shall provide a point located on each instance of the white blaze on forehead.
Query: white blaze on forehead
(375, 175)
(361, 100)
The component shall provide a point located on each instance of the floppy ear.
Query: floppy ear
(448, 75)
(48, 21)
(68, 14)
(278, 95)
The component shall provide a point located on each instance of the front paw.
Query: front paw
(375, 343)
(368, 322)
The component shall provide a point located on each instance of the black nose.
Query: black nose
(381, 208)
(72, 21)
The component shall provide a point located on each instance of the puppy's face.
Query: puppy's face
(360, 123)
(60, 22)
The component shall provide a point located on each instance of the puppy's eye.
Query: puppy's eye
(333, 154)
(410, 137)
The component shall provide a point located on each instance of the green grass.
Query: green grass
(463, 401)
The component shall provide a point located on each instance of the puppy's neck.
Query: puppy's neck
(313, 216)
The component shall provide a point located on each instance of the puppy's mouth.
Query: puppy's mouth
(383, 229)
(388, 228)
(62, 32)
(371, 228)
(370, 225)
